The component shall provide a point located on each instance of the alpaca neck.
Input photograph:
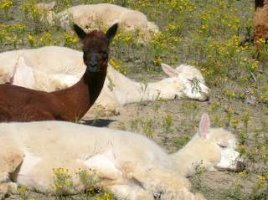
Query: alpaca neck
(138, 92)
(79, 98)
(157, 90)
(188, 157)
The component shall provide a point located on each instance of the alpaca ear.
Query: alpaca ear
(204, 125)
(111, 32)
(79, 31)
(169, 70)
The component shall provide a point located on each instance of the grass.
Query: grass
(202, 33)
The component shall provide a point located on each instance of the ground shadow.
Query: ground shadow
(97, 122)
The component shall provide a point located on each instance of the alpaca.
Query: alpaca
(53, 69)
(184, 81)
(102, 14)
(70, 104)
(130, 165)
(260, 20)
(215, 147)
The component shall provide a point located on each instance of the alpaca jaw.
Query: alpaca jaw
(230, 160)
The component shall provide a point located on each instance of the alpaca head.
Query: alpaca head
(96, 47)
(217, 147)
(187, 82)
(259, 4)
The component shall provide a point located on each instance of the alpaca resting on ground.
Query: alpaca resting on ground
(118, 90)
(130, 165)
(92, 16)
(70, 104)
(56, 68)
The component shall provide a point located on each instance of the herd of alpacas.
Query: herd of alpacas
(44, 91)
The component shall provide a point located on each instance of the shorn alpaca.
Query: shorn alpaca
(261, 20)
(102, 15)
(59, 72)
(22, 104)
(211, 148)
(130, 165)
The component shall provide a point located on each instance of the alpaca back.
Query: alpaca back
(50, 138)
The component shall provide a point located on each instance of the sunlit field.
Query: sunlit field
(205, 34)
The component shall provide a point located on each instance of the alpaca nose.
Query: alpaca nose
(93, 64)
(240, 166)
(207, 98)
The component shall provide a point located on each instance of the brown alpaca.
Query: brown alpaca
(22, 104)
(260, 20)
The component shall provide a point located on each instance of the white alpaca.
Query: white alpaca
(59, 67)
(93, 16)
(105, 14)
(130, 165)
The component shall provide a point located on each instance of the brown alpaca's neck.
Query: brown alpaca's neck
(79, 98)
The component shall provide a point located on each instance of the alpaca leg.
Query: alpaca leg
(165, 183)
(124, 188)
(130, 192)
(7, 188)
(10, 159)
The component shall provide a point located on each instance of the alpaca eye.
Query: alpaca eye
(104, 54)
(223, 146)
(157, 195)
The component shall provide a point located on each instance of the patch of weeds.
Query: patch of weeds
(105, 196)
(35, 17)
(89, 180)
(5, 6)
(245, 119)
(70, 39)
(167, 124)
(191, 106)
(260, 191)
(121, 126)
(11, 35)
(196, 179)
(182, 140)
(62, 4)
(142, 125)
(23, 193)
(236, 192)
(229, 114)
(232, 95)
(118, 65)
(63, 182)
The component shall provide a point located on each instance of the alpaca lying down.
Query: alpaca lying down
(129, 165)
(92, 16)
(53, 68)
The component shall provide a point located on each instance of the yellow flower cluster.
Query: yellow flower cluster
(63, 179)
(105, 196)
(6, 4)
